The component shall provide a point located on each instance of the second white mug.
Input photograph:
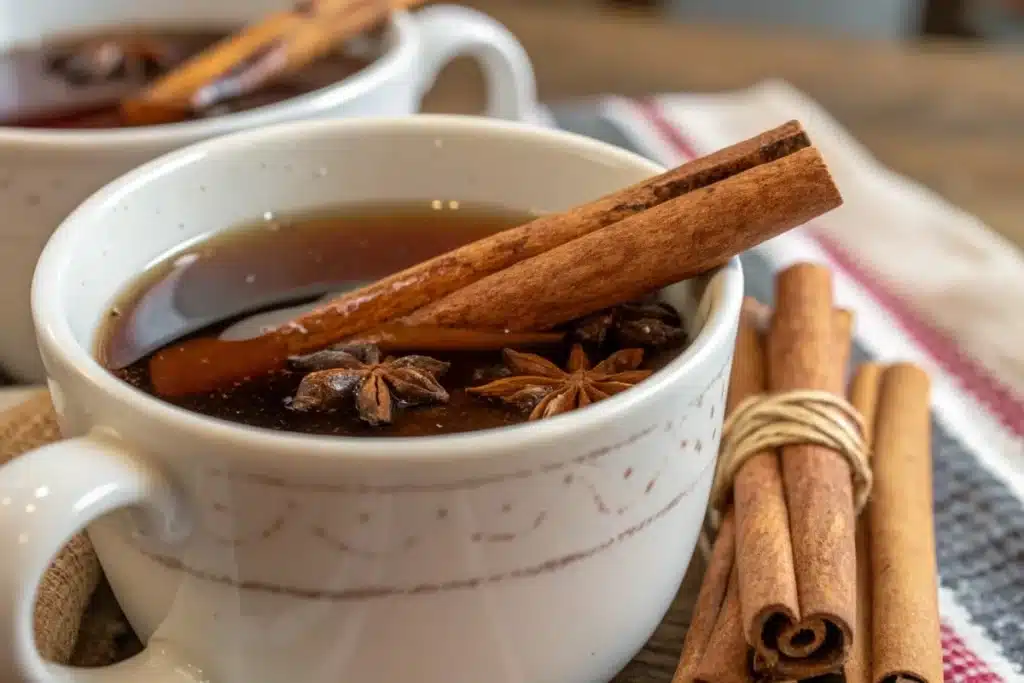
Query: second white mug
(44, 174)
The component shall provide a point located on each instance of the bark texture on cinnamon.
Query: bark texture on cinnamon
(819, 591)
(392, 338)
(863, 397)
(727, 658)
(764, 556)
(715, 648)
(905, 617)
(668, 243)
(704, 212)
(808, 349)
(710, 602)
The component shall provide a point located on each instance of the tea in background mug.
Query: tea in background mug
(44, 174)
(244, 555)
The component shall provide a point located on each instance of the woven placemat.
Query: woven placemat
(77, 619)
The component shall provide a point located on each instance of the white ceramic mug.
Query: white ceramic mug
(541, 552)
(45, 174)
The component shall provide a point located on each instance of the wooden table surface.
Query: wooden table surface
(950, 115)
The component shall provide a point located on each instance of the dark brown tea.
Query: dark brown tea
(77, 82)
(237, 282)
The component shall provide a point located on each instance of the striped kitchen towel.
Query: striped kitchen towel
(928, 283)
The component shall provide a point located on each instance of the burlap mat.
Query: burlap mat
(77, 619)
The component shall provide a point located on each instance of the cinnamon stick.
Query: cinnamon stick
(710, 602)
(803, 354)
(905, 623)
(863, 397)
(764, 556)
(715, 648)
(282, 43)
(204, 364)
(645, 252)
(430, 338)
(727, 659)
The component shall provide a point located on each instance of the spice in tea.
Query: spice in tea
(557, 268)
(374, 384)
(539, 384)
(646, 322)
(79, 81)
(262, 53)
(398, 382)
(606, 256)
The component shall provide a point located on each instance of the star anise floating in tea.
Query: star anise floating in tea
(102, 61)
(646, 322)
(538, 383)
(357, 372)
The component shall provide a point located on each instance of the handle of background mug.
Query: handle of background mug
(449, 31)
(46, 497)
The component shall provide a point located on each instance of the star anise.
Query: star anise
(647, 322)
(376, 385)
(538, 383)
(102, 61)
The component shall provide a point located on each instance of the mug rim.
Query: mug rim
(54, 332)
(402, 47)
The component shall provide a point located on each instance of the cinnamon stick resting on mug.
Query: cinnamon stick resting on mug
(558, 267)
(282, 43)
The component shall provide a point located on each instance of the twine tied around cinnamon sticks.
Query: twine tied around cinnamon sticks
(797, 586)
(768, 421)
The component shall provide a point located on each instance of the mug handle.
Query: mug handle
(46, 497)
(448, 31)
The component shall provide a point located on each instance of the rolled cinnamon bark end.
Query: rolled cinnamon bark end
(809, 347)
(715, 648)
(905, 616)
(764, 553)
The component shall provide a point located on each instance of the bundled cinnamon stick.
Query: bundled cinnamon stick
(725, 654)
(810, 635)
(715, 650)
(616, 248)
(796, 586)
